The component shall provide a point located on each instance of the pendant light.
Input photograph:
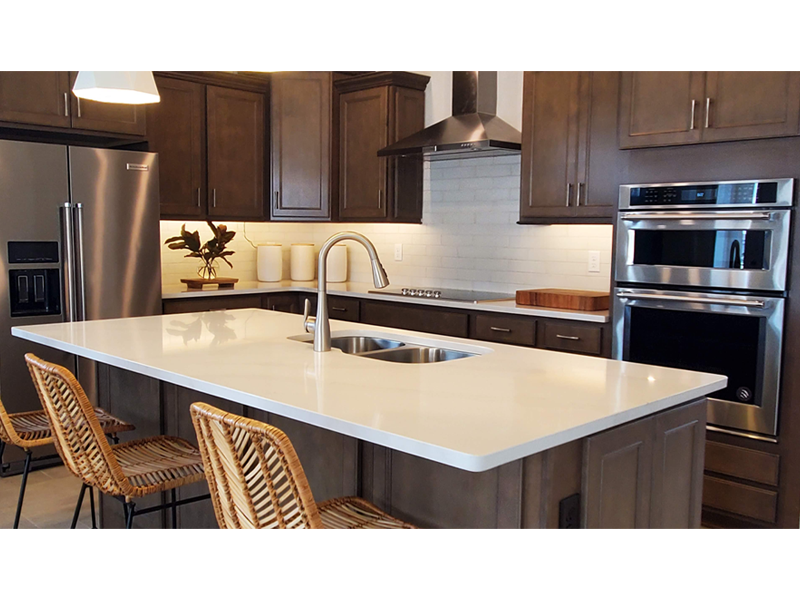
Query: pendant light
(118, 87)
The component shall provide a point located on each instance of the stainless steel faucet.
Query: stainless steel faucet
(319, 325)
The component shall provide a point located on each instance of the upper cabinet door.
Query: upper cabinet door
(549, 144)
(235, 122)
(35, 97)
(363, 130)
(406, 116)
(741, 105)
(177, 131)
(301, 145)
(660, 108)
(104, 116)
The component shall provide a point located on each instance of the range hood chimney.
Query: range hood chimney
(474, 130)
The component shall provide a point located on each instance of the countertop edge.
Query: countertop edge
(489, 306)
(460, 460)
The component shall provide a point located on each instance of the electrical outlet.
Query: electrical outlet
(398, 252)
(594, 261)
(569, 512)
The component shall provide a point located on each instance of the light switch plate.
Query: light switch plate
(594, 261)
(398, 252)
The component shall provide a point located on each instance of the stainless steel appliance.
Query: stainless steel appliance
(704, 289)
(474, 129)
(79, 239)
(472, 296)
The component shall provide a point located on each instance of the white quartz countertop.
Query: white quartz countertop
(362, 290)
(474, 413)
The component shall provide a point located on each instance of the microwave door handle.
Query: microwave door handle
(700, 300)
(750, 216)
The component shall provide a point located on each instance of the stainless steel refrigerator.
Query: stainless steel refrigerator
(79, 240)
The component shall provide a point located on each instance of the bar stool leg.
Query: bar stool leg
(91, 501)
(78, 506)
(174, 510)
(2, 451)
(25, 470)
(129, 507)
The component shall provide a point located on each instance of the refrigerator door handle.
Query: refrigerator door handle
(68, 261)
(80, 280)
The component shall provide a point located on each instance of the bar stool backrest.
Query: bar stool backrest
(77, 434)
(253, 472)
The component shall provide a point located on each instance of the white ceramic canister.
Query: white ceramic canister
(303, 262)
(269, 262)
(337, 264)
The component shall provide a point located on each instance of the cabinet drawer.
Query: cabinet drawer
(740, 499)
(282, 303)
(743, 463)
(343, 309)
(427, 319)
(506, 330)
(585, 339)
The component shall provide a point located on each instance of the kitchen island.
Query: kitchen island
(496, 439)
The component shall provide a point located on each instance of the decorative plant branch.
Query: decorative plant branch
(208, 252)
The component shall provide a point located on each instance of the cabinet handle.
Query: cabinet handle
(573, 338)
(500, 329)
(277, 198)
(214, 198)
(79, 108)
(691, 121)
(338, 309)
(708, 110)
(380, 199)
(198, 197)
(578, 194)
(569, 188)
(66, 104)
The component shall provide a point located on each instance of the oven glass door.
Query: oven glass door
(739, 337)
(744, 250)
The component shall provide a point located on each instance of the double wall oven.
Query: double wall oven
(701, 280)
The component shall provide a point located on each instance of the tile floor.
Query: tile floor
(50, 500)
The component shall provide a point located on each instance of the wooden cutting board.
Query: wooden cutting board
(569, 299)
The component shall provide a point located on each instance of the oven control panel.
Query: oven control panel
(773, 192)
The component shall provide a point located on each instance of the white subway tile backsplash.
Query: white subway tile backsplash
(469, 238)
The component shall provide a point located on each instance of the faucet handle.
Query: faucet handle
(309, 322)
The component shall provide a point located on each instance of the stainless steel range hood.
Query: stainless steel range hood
(474, 130)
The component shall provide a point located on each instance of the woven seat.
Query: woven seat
(257, 482)
(29, 430)
(129, 470)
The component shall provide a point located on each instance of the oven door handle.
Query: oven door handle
(716, 216)
(701, 300)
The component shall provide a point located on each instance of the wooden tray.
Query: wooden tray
(568, 299)
(197, 283)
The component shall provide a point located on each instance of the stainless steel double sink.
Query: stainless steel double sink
(393, 350)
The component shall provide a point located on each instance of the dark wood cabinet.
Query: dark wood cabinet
(569, 147)
(35, 97)
(687, 107)
(647, 473)
(519, 331)
(45, 98)
(301, 122)
(572, 337)
(177, 131)
(108, 117)
(373, 111)
(203, 304)
(211, 141)
(742, 105)
(288, 303)
(235, 146)
(416, 318)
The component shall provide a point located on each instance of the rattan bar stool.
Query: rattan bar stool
(257, 481)
(29, 430)
(126, 471)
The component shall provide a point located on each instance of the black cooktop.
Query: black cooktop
(473, 296)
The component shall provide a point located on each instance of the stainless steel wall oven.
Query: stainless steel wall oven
(701, 279)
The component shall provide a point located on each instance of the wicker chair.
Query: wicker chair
(257, 481)
(29, 430)
(126, 471)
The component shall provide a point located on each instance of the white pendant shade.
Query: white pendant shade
(118, 87)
